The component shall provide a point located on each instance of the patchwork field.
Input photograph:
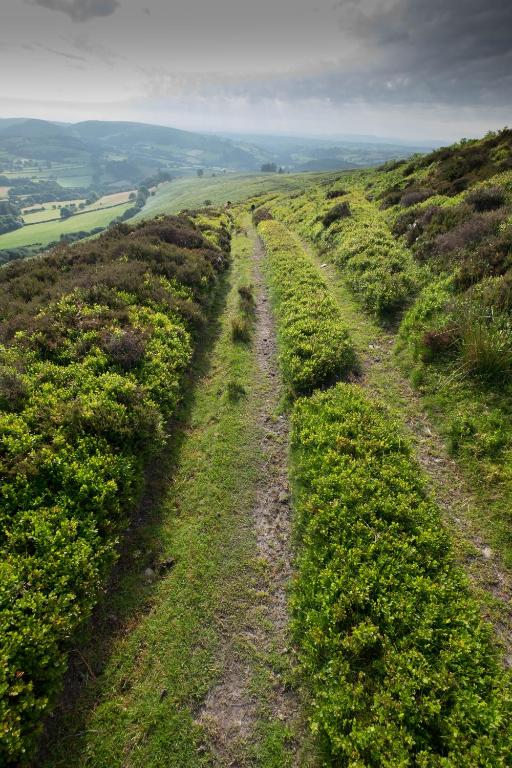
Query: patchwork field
(42, 234)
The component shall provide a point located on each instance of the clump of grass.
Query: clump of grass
(242, 323)
(486, 344)
(235, 391)
(246, 299)
(241, 329)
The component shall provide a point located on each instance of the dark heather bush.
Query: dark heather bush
(486, 199)
(12, 390)
(261, 214)
(126, 348)
(415, 196)
(391, 197)
(469, 232)
(332, 194)
(336, 213)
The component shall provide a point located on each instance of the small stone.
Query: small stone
(283, 497)
(323, 265)
(149, 574)
(487, 553)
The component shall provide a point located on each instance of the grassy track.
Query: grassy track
(42, 234)
(142, 706)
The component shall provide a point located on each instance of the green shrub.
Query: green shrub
(315, 347)
(379, 270)
(401, 668)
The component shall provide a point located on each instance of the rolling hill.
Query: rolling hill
(107, 153)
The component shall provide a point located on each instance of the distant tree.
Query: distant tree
(65, 212)
(207, 202)
(281, 169)
(269, 168)
(200, 172)
(132, 196)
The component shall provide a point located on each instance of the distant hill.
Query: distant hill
(105, 154)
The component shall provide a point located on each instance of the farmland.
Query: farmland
(38, 235)
(280, 432)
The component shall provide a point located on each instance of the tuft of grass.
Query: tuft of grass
(241, 329)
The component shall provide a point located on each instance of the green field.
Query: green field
(174, 196)
(42, 234)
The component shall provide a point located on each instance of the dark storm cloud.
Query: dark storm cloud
(80, 10)
(441, 50)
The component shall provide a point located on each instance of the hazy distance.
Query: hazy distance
(389, 68)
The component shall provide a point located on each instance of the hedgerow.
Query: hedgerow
(94, 342)
(315, 346)
(401, 668)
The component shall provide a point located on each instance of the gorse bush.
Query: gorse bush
(401, 669)
(95, 341)
(315, 346)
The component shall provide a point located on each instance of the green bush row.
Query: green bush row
(378, 269)
(88, 379)
(315, 346)
(402, 669)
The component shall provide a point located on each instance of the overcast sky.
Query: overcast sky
(411, 68)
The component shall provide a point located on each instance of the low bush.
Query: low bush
(96, 339)
(261, 214)
(401, 669)
(332, 194)
(242, 323)
(315, 346)
(486, 198)
(414, 196)
(336, 213)
(378, 269)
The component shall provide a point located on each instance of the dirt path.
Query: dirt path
(234, 707)
(462, 514)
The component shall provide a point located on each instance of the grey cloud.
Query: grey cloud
(458, 50)
(80, 10)
(63, 54)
